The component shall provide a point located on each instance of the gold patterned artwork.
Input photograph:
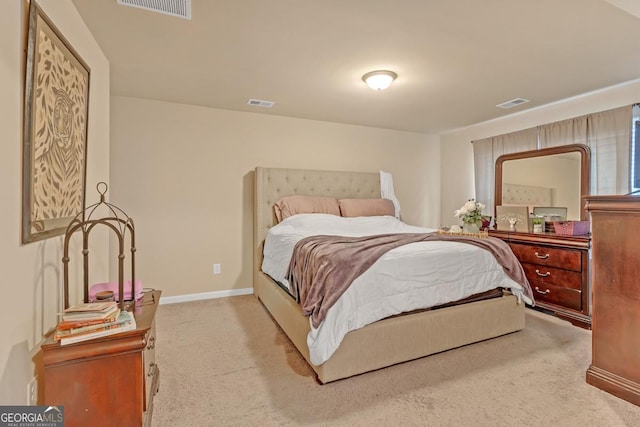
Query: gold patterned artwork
(56, 110)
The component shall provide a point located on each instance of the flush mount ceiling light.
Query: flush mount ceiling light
(379, 80)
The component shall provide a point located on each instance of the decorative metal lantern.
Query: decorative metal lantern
(116, 220)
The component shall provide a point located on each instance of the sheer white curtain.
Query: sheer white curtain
(609, 137)
(486, 152)
(607, 133)
(571, 131)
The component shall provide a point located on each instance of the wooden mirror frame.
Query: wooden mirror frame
(585, 169)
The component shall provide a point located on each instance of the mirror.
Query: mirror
(556, 177)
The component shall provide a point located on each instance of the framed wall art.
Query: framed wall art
(56, 109)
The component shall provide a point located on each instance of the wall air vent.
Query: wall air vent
(179, 8)
(260, 103)
(512, 103)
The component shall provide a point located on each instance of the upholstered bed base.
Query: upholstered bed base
(386, 342)
(397, 339)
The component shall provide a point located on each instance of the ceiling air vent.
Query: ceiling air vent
(179, 8)
(513, 103)
(260, 103)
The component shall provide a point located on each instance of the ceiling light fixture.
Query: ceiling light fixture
(379, 80)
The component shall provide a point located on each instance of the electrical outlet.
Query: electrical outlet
(216, 269)
(32, 391)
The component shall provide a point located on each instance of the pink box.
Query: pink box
(571, 228)
(113, 286)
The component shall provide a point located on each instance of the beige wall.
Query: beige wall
(184, 173)
(457, 152)
(31, 280)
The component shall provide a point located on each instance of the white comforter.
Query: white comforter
(414, 276)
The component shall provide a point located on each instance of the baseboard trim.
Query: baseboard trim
(621, 387)
(205, 295)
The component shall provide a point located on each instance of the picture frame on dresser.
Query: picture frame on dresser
(550, 214)
(508, 214)
(554, 212)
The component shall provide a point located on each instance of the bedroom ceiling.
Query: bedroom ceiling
(455, 60)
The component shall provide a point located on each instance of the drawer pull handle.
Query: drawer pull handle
(542, 292)
(152, 343)
(545, 256)
(152, 368)
(548, 273)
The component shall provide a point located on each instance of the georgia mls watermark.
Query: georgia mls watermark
(31, 416)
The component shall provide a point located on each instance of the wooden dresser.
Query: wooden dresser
(558, 270)
(615, 363)
(107, 381)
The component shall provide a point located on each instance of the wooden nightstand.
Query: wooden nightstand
(107, 381)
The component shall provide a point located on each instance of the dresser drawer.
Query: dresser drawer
(150, 367)
(558, 270)
(558, 295)
(567, 259)
(543, 275)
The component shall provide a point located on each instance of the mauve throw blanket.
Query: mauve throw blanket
(323, 267)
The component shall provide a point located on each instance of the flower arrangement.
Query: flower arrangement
(471, 212)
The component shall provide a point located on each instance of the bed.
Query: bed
(385, 342)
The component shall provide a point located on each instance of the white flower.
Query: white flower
(470, 206)
(470, 212)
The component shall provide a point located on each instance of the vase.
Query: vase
(470, 227)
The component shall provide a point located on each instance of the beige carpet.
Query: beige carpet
(224, 362)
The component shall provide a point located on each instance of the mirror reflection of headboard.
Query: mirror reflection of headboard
(528, 195)
(561, 174)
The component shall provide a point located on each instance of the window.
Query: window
(635, 150)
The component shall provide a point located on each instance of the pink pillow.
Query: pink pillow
(366, 207)
(292, 205)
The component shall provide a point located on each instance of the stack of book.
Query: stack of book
(87, 321)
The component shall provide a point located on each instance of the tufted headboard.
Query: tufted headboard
(271, 184)
(514, 194)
